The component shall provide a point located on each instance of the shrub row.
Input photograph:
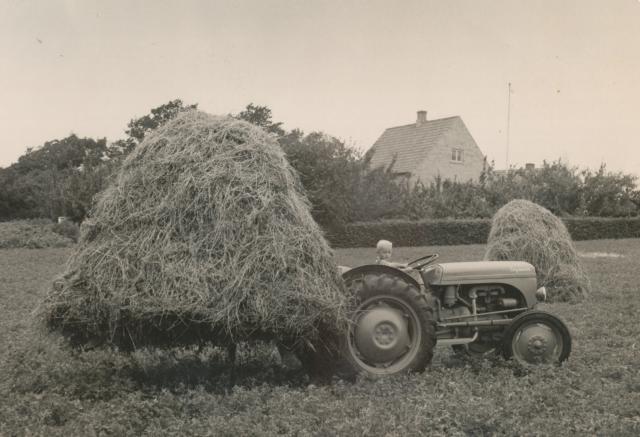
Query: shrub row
(412, 233)
(450, 232)
(599, 228)
(35, 234)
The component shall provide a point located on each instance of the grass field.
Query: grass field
(47, 389)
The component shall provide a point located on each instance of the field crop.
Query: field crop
(48, 389)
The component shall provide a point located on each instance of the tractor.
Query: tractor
(476, 308)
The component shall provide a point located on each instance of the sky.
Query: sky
(347, 68)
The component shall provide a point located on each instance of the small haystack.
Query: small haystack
(205, 235)
(524, 231)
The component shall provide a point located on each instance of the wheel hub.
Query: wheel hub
(385, 334)
(537, 345)
(381, 334)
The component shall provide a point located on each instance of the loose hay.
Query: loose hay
(205, 235)
(524, 231)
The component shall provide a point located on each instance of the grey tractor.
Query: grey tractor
(474, 307)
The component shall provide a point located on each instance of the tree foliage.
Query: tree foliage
(62, 176)
(139, 127)
(57, 179)
(327, 170)
(261, 116)
(609, 194)
(558, 187)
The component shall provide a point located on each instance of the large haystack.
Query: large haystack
(204, 235)
(524, 231)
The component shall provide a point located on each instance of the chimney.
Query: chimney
(422, 118)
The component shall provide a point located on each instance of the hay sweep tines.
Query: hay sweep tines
(524, 231)
(205, 230)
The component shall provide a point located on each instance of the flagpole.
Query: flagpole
(508, 123)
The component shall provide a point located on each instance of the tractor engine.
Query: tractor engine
(457, 304)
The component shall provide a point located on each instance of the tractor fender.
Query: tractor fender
(378, 269)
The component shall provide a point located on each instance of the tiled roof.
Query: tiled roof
(410, 144)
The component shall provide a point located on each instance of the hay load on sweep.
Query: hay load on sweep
(524, 231)
(205, 235)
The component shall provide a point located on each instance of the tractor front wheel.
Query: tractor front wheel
(537, 337)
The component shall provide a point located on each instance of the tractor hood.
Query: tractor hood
(478, 272)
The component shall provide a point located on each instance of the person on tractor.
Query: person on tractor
(384, 249)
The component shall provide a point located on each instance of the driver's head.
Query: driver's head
(383, 249)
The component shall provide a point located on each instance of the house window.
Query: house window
(456, 155)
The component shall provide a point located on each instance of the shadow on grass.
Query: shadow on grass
(478, 364)
(178, 371)
(44, 365)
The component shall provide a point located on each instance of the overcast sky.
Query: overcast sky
(348, 68)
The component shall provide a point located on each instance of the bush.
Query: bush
(598, 228)
(412, 233)
(609, 194)
(446, 199)
(67, 229)
(328, 171)
(448, 232)
(561, 189)
(31, 234)
(57, 179)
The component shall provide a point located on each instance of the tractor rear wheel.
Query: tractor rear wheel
(392, 328)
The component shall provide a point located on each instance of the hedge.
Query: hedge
(476, 231)
(599, 228)
(32, 234)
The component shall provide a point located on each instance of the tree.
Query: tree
(80, 187)
(118, 150)
(607, 194)
(70, 152)
(376, 193)
(555, 186)
(139, 127)
(15, 201)
(327, 170)
(261, 116)
(338, 181)
(38, 185)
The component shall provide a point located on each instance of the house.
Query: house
(427, 149)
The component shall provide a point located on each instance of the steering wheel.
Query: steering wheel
(419, 263)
